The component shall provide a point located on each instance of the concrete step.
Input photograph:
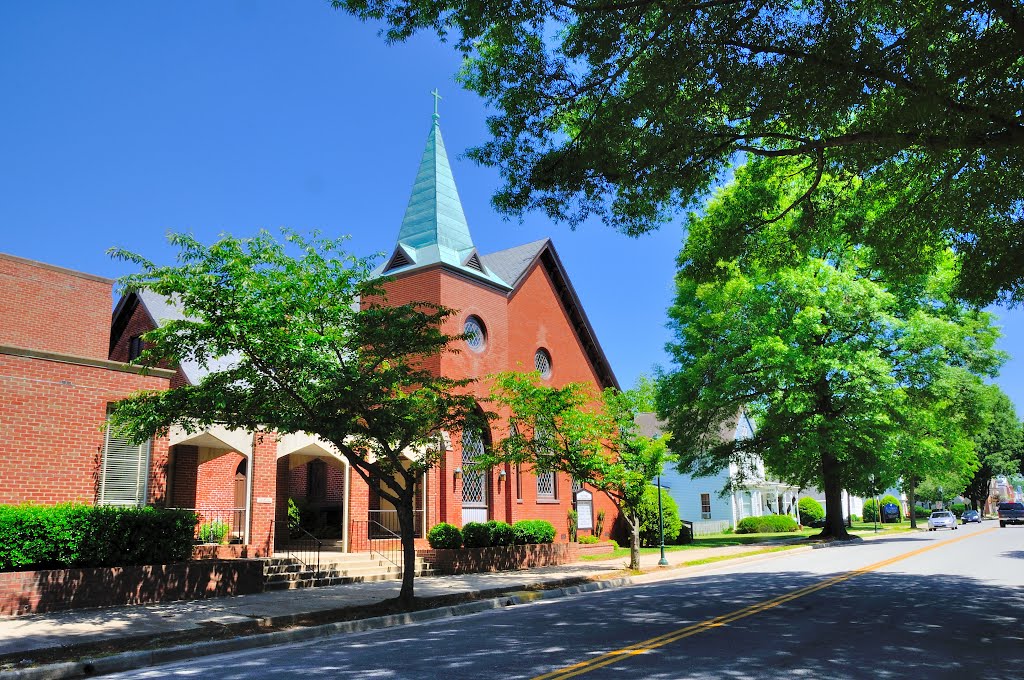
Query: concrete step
(299, 583)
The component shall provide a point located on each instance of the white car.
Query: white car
(942, 519)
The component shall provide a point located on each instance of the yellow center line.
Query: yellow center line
(644, 646)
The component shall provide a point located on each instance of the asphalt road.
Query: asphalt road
(930, 605)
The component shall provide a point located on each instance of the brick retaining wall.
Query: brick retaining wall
(500, 558)
(27, 592)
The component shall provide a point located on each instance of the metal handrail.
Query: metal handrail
(379, 540)
(309, 546)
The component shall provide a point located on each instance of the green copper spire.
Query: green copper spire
(434, 229)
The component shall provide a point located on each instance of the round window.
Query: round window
(542, 362)
(476, 338)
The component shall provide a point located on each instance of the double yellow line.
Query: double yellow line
(660, 641)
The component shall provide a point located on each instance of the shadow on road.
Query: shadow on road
(875, 625)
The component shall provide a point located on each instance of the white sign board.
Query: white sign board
(585, 510)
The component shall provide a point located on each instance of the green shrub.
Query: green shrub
(501, 533)
(647, 513)
(444, 535)
(870, 510)
(599, 523)
(476, 535)
(76, 535)
(587, 540)
(294, 517)
(533, 531)
(213, 532)
(922, 513)
(958, 509)
(855, 518)
(766, 524)
(810, 511)
(572, 524)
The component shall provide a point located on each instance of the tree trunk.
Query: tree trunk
(912, 501)
(834, 525)
(407, 530)
(634, 541)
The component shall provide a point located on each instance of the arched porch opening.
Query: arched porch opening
(313, 483)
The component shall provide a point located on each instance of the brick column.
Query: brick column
(264, 488)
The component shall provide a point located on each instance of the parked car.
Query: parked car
(971, 516)
(942, 519)
(1011, 513)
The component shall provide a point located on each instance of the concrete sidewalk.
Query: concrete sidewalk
(64, 636)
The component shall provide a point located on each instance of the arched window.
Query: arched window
(542, 363)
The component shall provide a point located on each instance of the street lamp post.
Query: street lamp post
(661, 528)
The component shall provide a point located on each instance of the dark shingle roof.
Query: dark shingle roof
(511, 264)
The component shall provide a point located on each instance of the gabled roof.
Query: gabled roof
(516, 263)
(160, 311)
(434, 230)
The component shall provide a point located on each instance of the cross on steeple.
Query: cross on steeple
(437, 98)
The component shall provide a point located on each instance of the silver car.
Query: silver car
(942, 519)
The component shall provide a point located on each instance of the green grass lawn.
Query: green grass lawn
(723, 540)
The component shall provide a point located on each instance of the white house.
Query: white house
(700, 499)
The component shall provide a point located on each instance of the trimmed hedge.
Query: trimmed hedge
(533, 531)
(76, 535)
(444, 535)
(810, 511)
(501, 533)
(476, 535)
(766, 524)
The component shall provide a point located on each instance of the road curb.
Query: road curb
(126, 661)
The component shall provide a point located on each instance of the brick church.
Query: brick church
(63, 359)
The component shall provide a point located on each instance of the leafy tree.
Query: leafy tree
(1000, 446)
(799, 329)
(295, 351)
(590, 436)
(643, 395)
(632, 110)
(650, 528)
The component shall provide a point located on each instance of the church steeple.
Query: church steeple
(434, 229)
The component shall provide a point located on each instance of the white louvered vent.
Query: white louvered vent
(124, 473)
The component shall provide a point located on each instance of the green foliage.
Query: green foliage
(501, 533)
(572, 524)
(958, 509)
(73, 535)
(920, 512)
(314, 348)
(647, 513)
(855, 518)
(766, 524)
(214, 532)
(588, 539)
(871, 510)
(533, 531)
(594, 438)
(810, 511)
(847, 375)
(599, 524)
(294, 516)
(626, 111)
(444, 536)
(476, 535)
(999, 443)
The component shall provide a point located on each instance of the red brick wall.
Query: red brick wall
(215, 482)
(51, 414)
(139, 322)
(516, 326)
(26, 592)
(51, 309)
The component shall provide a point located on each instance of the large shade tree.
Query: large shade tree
(632, 110)
(795, 325)
(302, 340)
(592, 437)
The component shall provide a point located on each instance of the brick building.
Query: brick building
(518, 305)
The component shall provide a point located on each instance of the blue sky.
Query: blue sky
(122, 121)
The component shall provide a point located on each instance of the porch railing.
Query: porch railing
(298, 544)
(373, 537)
(384, 523)
(710, 526)
(219, 525)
